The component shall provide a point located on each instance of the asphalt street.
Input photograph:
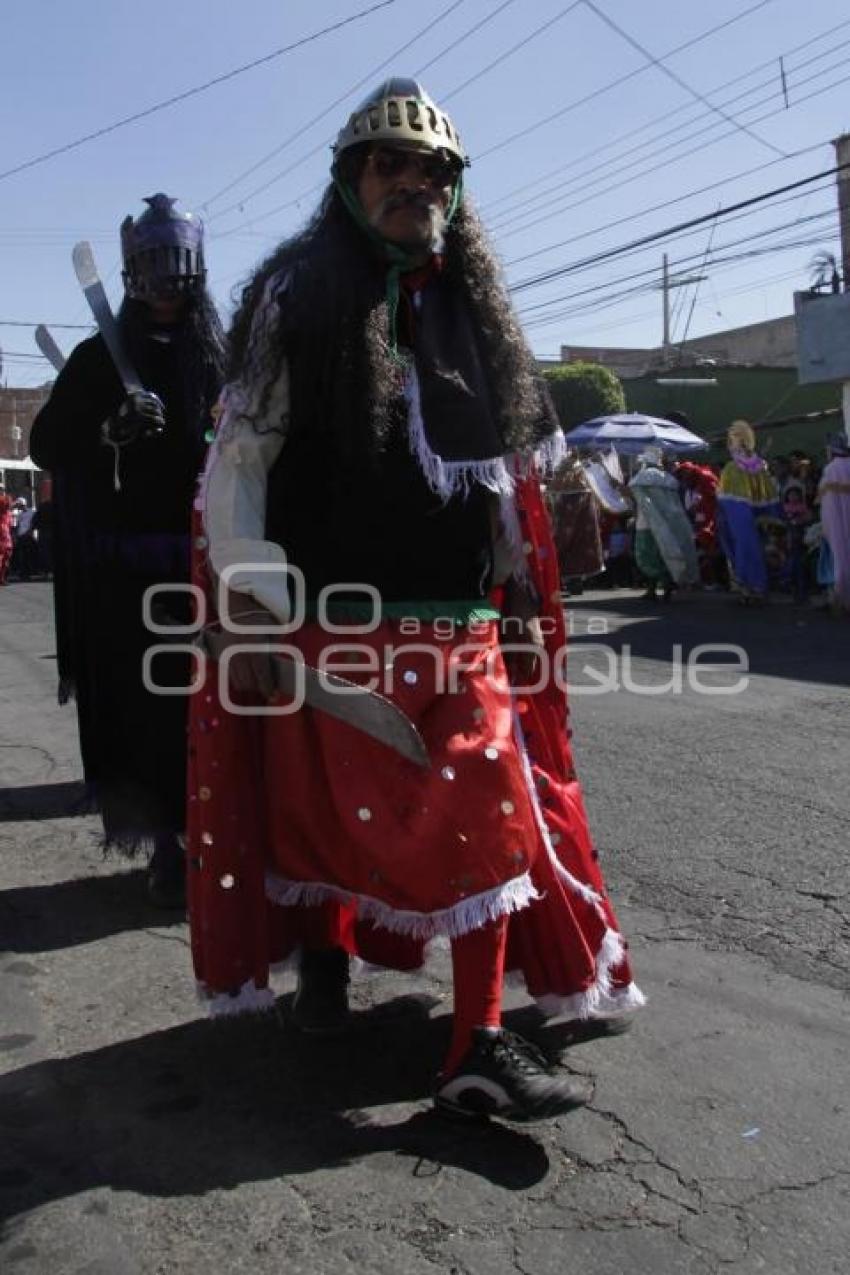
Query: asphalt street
(136, 1138)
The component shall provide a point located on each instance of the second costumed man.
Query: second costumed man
(127, 465)
(383, 425)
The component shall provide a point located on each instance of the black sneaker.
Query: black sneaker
(504, 1075)
(167, 874)
(320, 1003)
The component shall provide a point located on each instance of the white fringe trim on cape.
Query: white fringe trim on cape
(572, 882)
(551, 453)
(448, 477)
(593, 1003)
(601, 1000)
(469, 914)
(496, 474)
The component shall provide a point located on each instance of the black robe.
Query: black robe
(110, 546)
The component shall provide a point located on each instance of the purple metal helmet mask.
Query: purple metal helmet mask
(163, 251)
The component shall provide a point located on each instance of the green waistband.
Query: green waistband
(456, 609)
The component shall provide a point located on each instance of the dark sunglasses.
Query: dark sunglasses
(392, 162)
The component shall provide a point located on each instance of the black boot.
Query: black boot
(167, 874)
(320, 1004)
(504, 1075)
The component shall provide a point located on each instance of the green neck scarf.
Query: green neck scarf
(399, 261)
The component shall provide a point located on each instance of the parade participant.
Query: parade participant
(6, 543)
(700, 492)
(381, 425)
(128, 465)
(834, 496)
(664, 542)
(747, 501)
(575, 523)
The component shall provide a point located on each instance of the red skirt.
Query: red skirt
(303, 829)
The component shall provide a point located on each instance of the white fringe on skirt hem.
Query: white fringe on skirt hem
(593, 1003)
(469, 914)
(250, 999)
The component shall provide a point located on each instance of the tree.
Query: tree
(581, 391)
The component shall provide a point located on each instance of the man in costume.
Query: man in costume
(747, 502)
(664, 540)
(380, 433)
(834, 497)
(699, 483)
(128, 466)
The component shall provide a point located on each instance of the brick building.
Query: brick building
(18, 409)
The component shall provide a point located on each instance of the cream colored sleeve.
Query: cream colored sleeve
(233, 495)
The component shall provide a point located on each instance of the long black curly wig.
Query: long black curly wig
(344, 380)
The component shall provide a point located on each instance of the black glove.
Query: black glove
(141, 415)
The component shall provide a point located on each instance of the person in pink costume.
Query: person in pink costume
(834, 497)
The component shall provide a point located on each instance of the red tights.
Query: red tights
(478, 965)
(478, 962)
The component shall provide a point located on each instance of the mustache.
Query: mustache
(408, 199)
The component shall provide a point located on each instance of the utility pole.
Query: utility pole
(842, 157)
(667, 284)
(16, 432)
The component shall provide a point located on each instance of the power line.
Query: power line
(652, 271)
(607, 302)
(259, 190)
(619, 184)
(667, 203)
(656, 236)
(605, 88)
(757, 285)
(613, 84)
(702, 268)
(594, 304)
(199, 88)
(540, 200)
(665, 116)
(503, 57)
(660, 64)
(741, 216)
(449, 48)
(299, 132)
(290, 203)
(510, 218)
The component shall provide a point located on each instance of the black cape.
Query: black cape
(109, 547)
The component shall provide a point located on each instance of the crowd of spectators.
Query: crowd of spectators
(792, 540)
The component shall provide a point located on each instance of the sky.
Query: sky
(589, 125)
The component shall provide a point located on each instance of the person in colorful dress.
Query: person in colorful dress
(747, 503)
(664, 541)
(834, 496)
(372, 502)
